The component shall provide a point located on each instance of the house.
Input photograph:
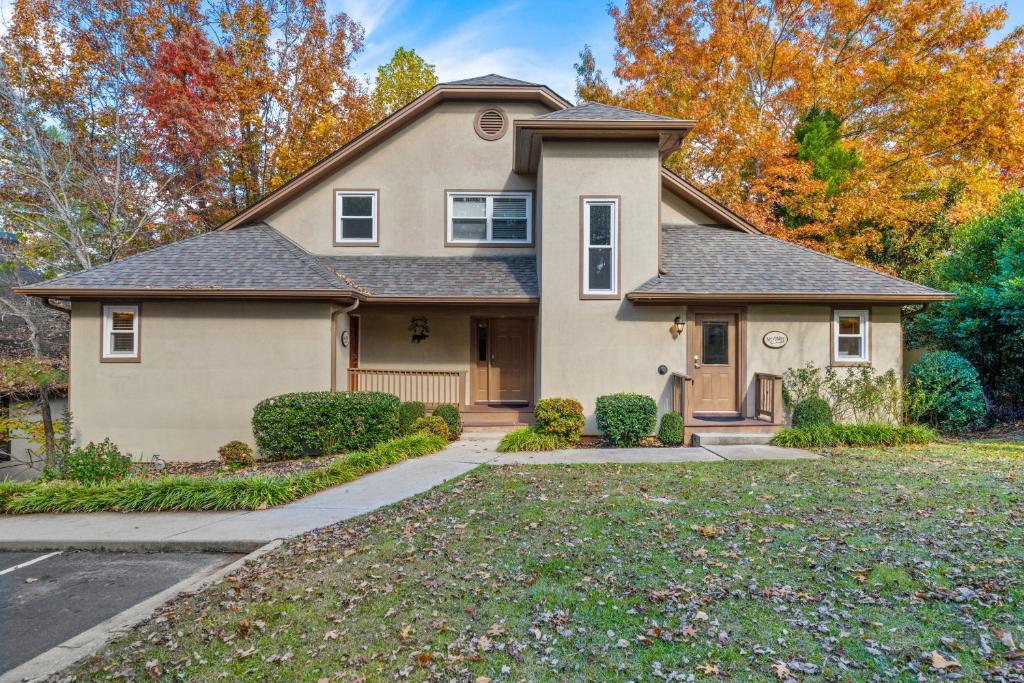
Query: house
(489, 244)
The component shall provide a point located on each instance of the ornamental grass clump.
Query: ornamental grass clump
(861, 434)
(529, 439)
(626, 419)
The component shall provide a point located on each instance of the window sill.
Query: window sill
(490, 245)
(133, 359)
(850, 364)
(356, 243)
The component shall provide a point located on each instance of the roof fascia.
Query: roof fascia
(783, 297)
(186, 293)
(376, 134)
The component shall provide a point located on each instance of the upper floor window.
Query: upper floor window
(355, 216)
(490, 217)
(600, 247)
(850, 336)
(121, 332)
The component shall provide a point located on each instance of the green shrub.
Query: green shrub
(861, 434)
(945, 392)
(560, 417)
(811, 412)
(450, 414)
(96, 462)
(626, 418)
(529, 439)
(318, 422)
(431, 424)
(409, 412)
(670, 433)
(853, 394)
(218, 493)
(236, 454)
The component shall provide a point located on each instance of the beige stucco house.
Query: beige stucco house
(489, 244)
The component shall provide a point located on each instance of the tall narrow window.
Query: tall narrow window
(356, 217)
(600, 247)
(850, 336)
(489, 218)
(121, 333)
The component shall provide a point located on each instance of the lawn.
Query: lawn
(871, 565)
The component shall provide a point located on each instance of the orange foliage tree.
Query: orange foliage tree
(915, 98)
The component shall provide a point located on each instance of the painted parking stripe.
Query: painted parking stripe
(32, 561)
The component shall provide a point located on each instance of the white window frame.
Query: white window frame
(338, 216)
(865, 335)
(613, 246)
(108, 328)
(490, 217)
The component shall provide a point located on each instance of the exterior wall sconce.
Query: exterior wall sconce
(677, 326)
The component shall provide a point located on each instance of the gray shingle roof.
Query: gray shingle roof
(439, 276)
(492, 80)
(254, 257)
(701, 259)
(595, 111)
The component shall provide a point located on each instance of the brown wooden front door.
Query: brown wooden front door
(713, 362)
(503, 360)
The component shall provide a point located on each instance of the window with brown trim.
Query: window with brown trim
(489, 217)
(355, 217)
(600, 246)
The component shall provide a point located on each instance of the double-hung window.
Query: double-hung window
(490, 218)
(850, 336)
(355, 213)
(600, 247)
(121, 333)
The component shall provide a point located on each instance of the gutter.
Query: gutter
(783, 297)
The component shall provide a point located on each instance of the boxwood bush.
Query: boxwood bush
(318, 422)
(670, 433)
(432, 424)
(945, 392)
(560, 417)
(626, 419)
(409, 412)
(450, 414)
(811, 412)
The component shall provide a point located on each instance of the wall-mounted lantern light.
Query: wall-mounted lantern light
(677, 326)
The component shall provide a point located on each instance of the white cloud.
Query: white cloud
(369, 13)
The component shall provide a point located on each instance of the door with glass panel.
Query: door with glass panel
(502, 369)
(713, 362)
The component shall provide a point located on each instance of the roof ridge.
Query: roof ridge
(307, 258)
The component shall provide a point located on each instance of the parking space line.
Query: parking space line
(32, 561)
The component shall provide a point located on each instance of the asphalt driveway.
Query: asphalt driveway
(46, 598)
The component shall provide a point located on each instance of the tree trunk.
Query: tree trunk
(49, 441)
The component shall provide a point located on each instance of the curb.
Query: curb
(169, 545)
(87, 643)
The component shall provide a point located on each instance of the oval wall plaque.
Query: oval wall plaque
(775, 340)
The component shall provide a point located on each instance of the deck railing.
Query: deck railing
(682, 396)
(768, 390)
(431, 387)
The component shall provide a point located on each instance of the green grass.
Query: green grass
(850, 568)
(865, 434)
(215, 493)
(529, 439)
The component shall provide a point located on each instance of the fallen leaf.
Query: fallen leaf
(940, 662)
(332, 635)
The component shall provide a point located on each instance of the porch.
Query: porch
(766, 418)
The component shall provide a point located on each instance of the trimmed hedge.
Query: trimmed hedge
(811, 412)
(626, 419)
(409, 412)
(671, 431)
(321, 422)
(560, 417)
(863, 434)
(431, 424)
(450, 414)
(219, 493)
(529, 439)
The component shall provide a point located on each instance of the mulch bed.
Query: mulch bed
(215, 468)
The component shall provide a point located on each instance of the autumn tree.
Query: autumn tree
(404, 78)
(872, 120)
(591, 85)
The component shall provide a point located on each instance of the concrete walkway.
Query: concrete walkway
(242, 531)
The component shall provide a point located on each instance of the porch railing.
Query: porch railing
(768, 390)
(431, 387)
(682, 396)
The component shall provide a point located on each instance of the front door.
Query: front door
(503, 355)
(713, 349)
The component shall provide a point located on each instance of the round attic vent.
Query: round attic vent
(491, 123)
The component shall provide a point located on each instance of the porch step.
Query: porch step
(497, 418)
(730, 439)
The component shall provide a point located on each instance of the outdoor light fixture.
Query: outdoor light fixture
(677, 326)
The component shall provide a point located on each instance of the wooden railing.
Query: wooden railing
(682, 396)
(432, 387)
(768, 390)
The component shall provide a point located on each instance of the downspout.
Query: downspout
(49, 304)
(334, 340)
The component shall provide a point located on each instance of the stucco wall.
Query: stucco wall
(412, 170)
(675, 209)
(809, 332)
(594, 347)
(204, 367)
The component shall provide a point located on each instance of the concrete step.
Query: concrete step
(730, 439)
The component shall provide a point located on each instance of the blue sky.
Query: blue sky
(535, 40)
